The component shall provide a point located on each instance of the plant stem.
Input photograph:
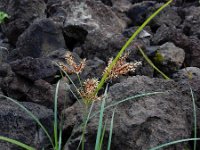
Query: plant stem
(103, 79)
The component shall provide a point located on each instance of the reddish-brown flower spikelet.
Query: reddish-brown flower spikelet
(121, 67)
(89, 87)
(72, 67)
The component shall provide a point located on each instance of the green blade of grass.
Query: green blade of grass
(55, 116)
(152, 65)
(103, 79)
(84, 124)
(195, 118)
(102, 136)
(31, 115)
(174, 142)
(111, 129)
(60, 136)
(99, 131)
(69, 79)
(127, 99)
(15, 142)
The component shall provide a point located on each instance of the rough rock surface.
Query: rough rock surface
(192, 21)
(97, 23)
(190, 78)
(35, 68)
(169, 58)
(141, 123)
(18, 125)
(22, 13)
(41, 38)
(19, 88)
(189, 44)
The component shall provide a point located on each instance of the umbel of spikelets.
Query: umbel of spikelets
(121, 67)
(72, 66)
(88, 90)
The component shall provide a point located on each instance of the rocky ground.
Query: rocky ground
(38, 33)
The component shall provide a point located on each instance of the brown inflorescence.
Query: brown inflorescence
(72, 67)
(87, 92)
(121, 67)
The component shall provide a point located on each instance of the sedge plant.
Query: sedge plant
(89, 92)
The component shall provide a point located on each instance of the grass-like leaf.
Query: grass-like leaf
(152, 65)
(99, 131)
(66, 74)
(103, 79)
(127, 99)
(15, 142)
(84, 124)
(102, 135)
(174, 142)
(55, 116)
(111, 129)
(31, 115)
(195, 119)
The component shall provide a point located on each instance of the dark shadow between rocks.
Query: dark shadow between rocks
(74, 36)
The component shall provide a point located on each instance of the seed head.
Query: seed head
(89, 87)
(72, 67)
(121, 67)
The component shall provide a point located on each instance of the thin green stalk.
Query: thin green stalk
(69, 80)
(111, 130)
(99, 132)
(195, 118)
(152, 65)
(73, 93)
(174, 142)
(103, 79)
(79, 79)
(127, 99)
(15, 142)
(84, 129)
(84, 124)
(102, 136)
(55, 116)
(31, 115)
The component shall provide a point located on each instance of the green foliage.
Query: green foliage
(22, 145)
(3, 16)
(152, 65)
(195, 118)
(99, 132)
(174, 142)
(158, 58)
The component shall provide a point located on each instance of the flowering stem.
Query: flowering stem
(103, 79)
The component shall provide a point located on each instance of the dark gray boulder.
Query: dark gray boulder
(188, 43)
(22, 13)
(191, 25)
(169, 58)
(18, 125)
(21, 88)
(142, 123)
(35, 68)
(91, 27)
(189, 77)
(41, 38)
